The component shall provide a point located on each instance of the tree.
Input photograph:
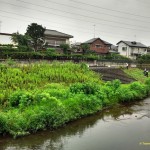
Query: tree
(20, 39)
(23, 41)
(65, 48)
(85, 47)
(36, 32)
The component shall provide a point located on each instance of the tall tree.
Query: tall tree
(85, 47)
(36, 32)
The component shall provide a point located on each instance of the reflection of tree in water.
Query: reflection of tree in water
(116, 112)
(55, 140)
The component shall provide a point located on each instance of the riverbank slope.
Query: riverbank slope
(47, 96)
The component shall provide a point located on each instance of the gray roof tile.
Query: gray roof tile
(133, 44)
(57, 33)
(94, 39)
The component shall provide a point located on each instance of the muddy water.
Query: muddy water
(120, 128)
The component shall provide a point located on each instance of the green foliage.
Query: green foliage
(86, 88)
(2, 123)
(30, 77)
(144, 59)
(113, 56)
(40, 96)
(51, 52)
(21, 40)
(114, 85)
(20, 98)
(136, 73)
(36, 32)
(85, 48)
(65, 48)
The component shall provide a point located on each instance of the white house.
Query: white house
(5, 38)
(131, 49)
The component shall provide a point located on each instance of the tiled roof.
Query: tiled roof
(57, 33)
(94, 39)
(133, 44)
(6, 34)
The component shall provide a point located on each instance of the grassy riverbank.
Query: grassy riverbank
(47, 96)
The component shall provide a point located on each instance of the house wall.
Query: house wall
(56, 41)
(5, 39)
(130, 52)
(99, 47)
(123, 52)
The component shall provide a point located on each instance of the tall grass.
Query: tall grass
(49, 96)
(35, 76)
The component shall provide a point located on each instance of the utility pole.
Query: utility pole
(94, 30)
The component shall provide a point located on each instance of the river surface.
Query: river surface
(119, 128)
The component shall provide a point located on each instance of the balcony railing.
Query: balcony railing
(55, 43)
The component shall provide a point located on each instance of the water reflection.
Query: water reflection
(77, 130)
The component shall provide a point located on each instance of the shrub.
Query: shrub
(86, 88)
(20, 98)
(2, 123)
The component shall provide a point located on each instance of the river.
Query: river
(119, 128)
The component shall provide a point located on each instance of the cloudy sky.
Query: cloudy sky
(111, 20)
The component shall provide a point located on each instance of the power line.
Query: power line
(83, 15)
(51, 21)
(124, 37)
(77, 18)
(75, 1)
(97, 12)
(69, 29)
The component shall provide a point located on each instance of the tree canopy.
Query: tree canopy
(85, 47)
(65, 48)
(36, 32)
(20, 39)
(23, 41)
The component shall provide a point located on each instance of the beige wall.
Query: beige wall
(5, 39)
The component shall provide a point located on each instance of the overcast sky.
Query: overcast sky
(110, 20)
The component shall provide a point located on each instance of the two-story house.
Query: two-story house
(98, 45)
(55, 38)
(131, 49)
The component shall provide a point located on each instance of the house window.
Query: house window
(98, 46)
(124, 48)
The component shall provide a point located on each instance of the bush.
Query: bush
(3, 120)
(20, 98)
(86, 88)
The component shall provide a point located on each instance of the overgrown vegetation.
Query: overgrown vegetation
(144, 59)
(45, 96)
(136, 73)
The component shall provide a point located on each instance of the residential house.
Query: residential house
(148, 50)
(98, 45)
(114, 49)
(5, 38)
(131, 49)
(76, 47)
(55, 38)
